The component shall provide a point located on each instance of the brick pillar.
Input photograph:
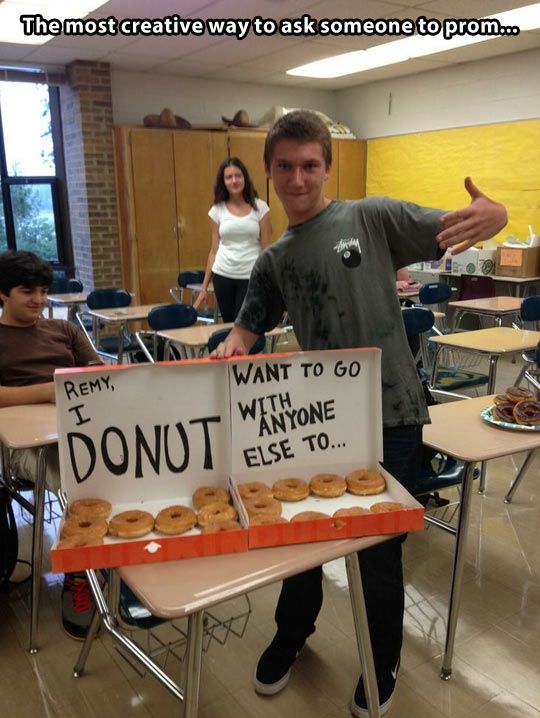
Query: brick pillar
(87, 119)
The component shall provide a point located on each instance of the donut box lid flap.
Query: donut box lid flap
(143, 431)
(309, 409)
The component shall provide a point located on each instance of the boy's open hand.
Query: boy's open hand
(482, 219)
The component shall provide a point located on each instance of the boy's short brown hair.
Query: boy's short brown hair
(301, 125)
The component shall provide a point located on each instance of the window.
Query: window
(33, 205)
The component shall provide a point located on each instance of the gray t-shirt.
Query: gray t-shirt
(336, 277)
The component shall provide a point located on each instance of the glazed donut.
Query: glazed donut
(79, 541)
(328, 485)
(210, 495)
(309, 516)
(91, 508)
(265, 505)
(217, 526)
(290, 489)
(352, 511)
(264, 519)
(216, 512)
(175, 520)
(85, 527)
(527, 412)
(131, 524)
(365, 483)
(504, 411)
(384, 506)
(500, 399)
(254, 490)
(517, 393)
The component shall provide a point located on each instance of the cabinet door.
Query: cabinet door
(351, 174)
(250, 148)
(155, 213)
(197, 156)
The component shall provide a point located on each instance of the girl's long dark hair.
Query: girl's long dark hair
(221, 193)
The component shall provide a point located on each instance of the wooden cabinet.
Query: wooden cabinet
(165, 181)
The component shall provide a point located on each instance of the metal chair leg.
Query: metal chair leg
(457, 571)
(193, 664)
(363, 639)
(521, 473)
(37, 545)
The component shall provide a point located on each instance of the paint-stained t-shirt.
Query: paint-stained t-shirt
(336, 277)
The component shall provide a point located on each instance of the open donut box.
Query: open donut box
(147, 436)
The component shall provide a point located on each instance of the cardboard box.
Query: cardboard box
(518, 262)
(146, 436)
(474, 261)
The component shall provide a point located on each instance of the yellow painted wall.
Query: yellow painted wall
(428, 168)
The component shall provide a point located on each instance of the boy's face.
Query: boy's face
(24, 305)
(298, 171)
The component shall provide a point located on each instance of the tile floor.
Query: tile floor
(496, 666)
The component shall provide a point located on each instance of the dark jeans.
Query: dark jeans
(382, 576)
(230, 295)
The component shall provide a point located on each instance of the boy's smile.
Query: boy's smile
(24, 305)
(298, 171)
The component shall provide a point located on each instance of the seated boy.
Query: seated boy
(31, 348)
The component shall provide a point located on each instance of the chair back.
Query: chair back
(434, 293)
(417, 320)
(172, 316)
(530, 309)
(61, 285)
(194, 276)
(472, 286)
(537, 355)
(108, 298)
(220, 336)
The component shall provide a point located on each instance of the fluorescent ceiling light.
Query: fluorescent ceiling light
(526, 18)
(11, 28)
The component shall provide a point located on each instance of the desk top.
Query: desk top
(497, 340)
(27, 426)
(177, 588)
(124, 314)
(459, 430)
(198, 287)
(490, 305)
(497, 278)
(198, 334)
(68, 298)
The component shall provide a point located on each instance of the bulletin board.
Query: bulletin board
(429, 167)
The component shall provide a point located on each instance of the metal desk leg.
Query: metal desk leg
(193, 664)
(521, 473)
(457, 571)
(363, 639)
(37, 545)
(490, 390)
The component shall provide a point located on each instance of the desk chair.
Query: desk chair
(61, 285)
(435, 296)
(169, 316)
(194, 276)
(472, 286)
(217, 337)
(419, 326)
(107, 346)
(529, 318)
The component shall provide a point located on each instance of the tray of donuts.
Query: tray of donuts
(308, 507)
(516, 409)
(94, 534)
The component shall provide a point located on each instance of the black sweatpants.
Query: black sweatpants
(230, 295)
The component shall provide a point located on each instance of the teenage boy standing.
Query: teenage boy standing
(31, 348)
(333, 270)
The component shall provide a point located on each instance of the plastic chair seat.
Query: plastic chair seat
(449, 472)
(448, 378)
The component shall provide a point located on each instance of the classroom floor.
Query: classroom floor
(496, 667)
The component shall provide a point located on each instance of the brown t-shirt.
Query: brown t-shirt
(29, 355)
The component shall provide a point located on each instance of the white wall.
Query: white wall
(487, 91)
(205, 101)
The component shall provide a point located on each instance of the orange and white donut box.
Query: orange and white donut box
(166, 450)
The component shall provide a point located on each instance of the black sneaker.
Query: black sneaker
(274, 666)
(386, 684)
(77, 605)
